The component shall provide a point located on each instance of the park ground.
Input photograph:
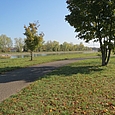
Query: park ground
(80, 88)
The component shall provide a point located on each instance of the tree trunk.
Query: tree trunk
(108, 58)
(31, 56)
(105, 56)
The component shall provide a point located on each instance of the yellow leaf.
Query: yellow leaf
(50, 110)
(113, 107)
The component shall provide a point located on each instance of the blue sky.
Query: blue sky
(14, 14)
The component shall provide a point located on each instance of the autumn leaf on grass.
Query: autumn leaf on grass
(22, 108)
(56, 98)
(113, 107)
(53, 109)
(15, 100)
(84, 112)
(109, 104)
(50, 110)
(103, 111)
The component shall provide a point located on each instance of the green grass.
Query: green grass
(81, 88)
(10, 64)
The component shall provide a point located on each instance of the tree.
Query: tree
(33, 40)
(41, 47)
(65, 46)
(19, 44)
(71, 47)
(5, 43)
(94, 20)
(81, 47)
(48, 46)
(55, 46)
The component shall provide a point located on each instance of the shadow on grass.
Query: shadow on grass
(69, 70)
(7, 69)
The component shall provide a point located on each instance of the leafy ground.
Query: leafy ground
(10, 64)
(82, 88)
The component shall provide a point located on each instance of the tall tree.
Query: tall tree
(5, 43)
(81, 47)
(56, 46)
(71, 47)
(94, 20)
(19, 44)
(65, 46)
(33, 40)
(49, 46)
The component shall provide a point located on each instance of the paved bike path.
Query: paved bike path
(13, 81)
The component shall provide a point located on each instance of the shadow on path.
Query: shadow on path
(29, 74)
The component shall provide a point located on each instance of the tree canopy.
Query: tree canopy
(33, 40)
(94, 20)
(19, 44)
(5, 43)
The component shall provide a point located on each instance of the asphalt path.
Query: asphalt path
(13, 81)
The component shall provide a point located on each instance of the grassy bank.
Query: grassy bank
(10, 64)
(82, 88)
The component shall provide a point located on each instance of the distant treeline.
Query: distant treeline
(6, 45)
(55, 46)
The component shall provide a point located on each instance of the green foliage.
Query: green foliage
(50, 46)
(94, 20)
(33, 40)
(19, 44)
(82, 88)
(5, 43)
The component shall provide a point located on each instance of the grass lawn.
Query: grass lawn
(81, 88)
(10, 64)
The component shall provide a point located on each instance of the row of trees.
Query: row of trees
(6, 45)
(56, 46)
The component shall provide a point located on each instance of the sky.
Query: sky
(14, 14)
